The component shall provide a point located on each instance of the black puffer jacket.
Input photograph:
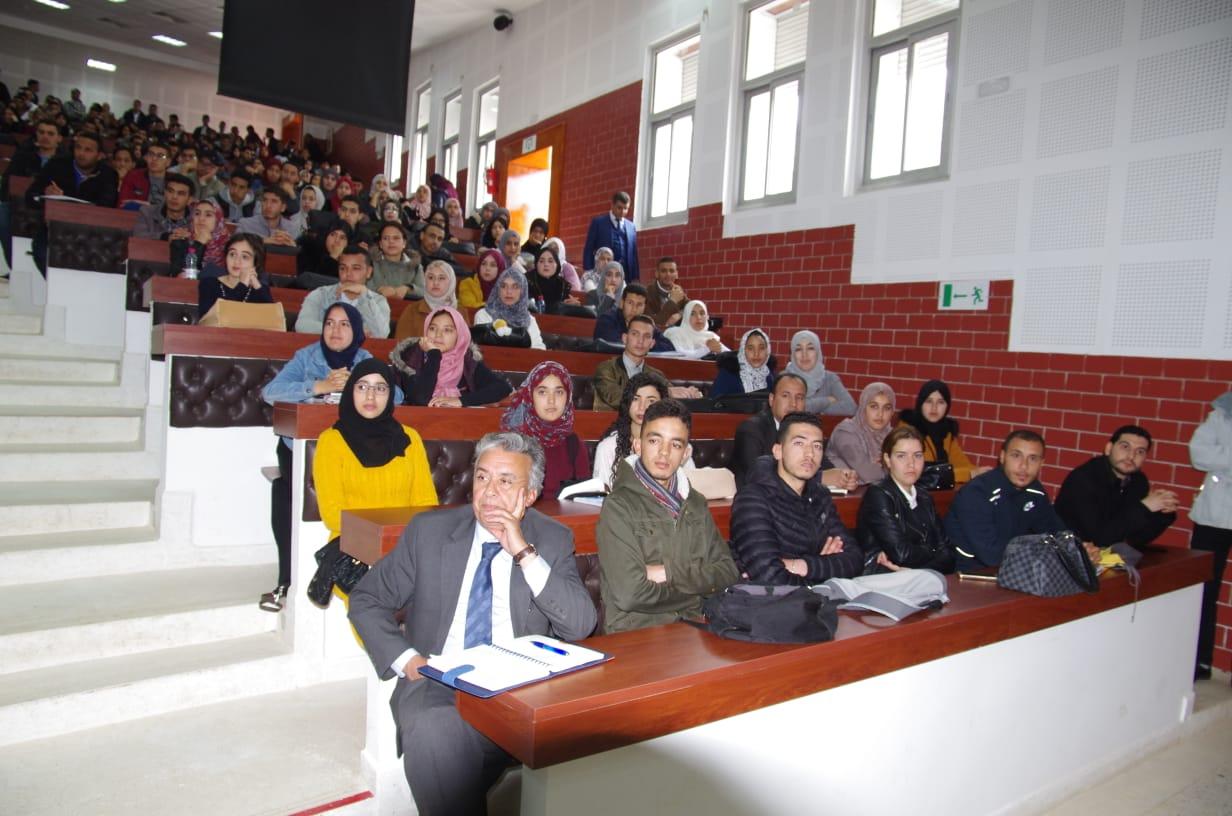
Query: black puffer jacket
(909, 538)
(770, 522)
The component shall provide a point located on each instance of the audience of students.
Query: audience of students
(84, 175)
(611, 376)
(826, 393)
(693, 333)
(442, 369)
(542, 408)
(506, 313)
(642, 391)
(931, 419)
(611, 326)
(244, 256)
(856, 442)
(748, 369)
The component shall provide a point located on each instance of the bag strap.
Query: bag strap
(1083, 575)
(571, 445)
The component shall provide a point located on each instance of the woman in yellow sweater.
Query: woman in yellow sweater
(931, 417)
(368, 459)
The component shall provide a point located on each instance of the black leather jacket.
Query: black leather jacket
(909, 538)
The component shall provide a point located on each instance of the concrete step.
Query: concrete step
(46, 371)
(44, 346)
(54, 465)
(103, 430)
(129, 390)
(18, 323)
(41, 508)
(57, 700)
(87, 619)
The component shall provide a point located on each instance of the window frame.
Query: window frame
(907, 37)
(475, 180)
(749, 88)
(450, 145)
(420, 147)
(653, 121)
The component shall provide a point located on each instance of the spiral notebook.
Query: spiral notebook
(484, 671)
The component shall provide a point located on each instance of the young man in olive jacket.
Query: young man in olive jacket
(659, 548)
(784, 525)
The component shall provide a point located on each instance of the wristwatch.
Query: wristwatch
(529, 549)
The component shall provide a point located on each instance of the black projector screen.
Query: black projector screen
(347, 62)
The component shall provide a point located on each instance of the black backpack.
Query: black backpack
(766, 613)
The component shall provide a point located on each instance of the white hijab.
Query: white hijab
(683, 336)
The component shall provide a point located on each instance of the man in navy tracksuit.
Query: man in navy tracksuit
(1003, 503)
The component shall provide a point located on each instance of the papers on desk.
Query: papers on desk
(68, 198)
(484, 671)
(588, 491)
(837, 491)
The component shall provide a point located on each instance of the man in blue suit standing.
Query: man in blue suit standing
(614, 231)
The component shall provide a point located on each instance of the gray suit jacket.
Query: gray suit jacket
(423, 575)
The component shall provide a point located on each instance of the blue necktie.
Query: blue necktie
(479, 603)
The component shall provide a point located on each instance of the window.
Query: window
(485, 141)
(911, 76)
(776, 41)
(419, 153)
(449, 136)
(672, 99)
(393, 159)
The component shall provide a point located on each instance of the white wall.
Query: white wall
(1098, 176)
(60, 65)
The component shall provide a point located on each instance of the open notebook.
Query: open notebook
(492, 668)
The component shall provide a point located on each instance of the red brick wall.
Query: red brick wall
(893, 332)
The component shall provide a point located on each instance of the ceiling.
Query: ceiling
(134, 22)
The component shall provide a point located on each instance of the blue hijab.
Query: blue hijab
(346, 357)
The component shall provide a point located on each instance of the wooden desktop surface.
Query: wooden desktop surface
(87, 214)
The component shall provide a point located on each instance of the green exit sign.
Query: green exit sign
(965, 295)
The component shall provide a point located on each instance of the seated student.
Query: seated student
(317, 262)
(429, 243)
(592, 278)
(388, 214)
(494, 237)
(1210, 451)
(510, 303)
(443, 369)
(84, 175)
(542, 407)
(394, 273)
(1003, 503)
(316, 370)
(747, 369)
(270, 224)
(665, 297)
(169, 219)
(641, 392)
(856, 442)
(607, 297)
(1108, 500)
(611, 376)
(208, 236)
(510, 246)
(693, 333)
(368, 459)
(245, 261)
(528, 585)
(757, 435)
(826, 393)
(483, 215)
(931, 418)
(237, 201)
(610, 327)
(310, 201)
(473, 292)
(535, 235)
(547, 286)
(354, 269)
(660, 552)
(897, 520)
(567, 270)
(439, 286)
(147, 183)
(785, 528)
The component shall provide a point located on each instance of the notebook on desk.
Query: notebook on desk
(484, 671)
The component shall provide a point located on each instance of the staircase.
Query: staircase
(102, 620)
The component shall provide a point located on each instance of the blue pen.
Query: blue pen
(549, 647)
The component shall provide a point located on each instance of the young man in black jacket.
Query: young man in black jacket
(785, 528)
(84, 176)
(1108, 500)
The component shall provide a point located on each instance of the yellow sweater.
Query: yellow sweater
(470, 296)
(343, 483)
(957, 457)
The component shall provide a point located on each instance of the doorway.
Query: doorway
(529, 180)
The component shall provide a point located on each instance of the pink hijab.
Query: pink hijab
(453, 361)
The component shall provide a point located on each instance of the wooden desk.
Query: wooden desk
(152, 250)
(88, 214)
(209, 341)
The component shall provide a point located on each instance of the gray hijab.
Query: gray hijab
(817, 375)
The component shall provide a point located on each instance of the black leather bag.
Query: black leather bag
(766, 613)
(1049, 565)
(937, 476)
(334, 568)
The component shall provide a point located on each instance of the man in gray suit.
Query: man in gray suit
(467, 575)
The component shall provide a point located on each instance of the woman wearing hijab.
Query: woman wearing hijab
(826, 393)
(607, 297)
(546, 282)
(443, 369)
(317, 370)
(692, 334)
(368, 459)
(535, 235)
(508, 307)
(473, 292)
(567, 271)
(209, 238)
(481, 216)
(419, 205)
(495, 232)
(593, 278)
(245, 260)
(311, 199)
(453, 209)
(542, 408)
(931, 417)
(856, 442)
(749, 368)
(439, 292)
(1210, 450)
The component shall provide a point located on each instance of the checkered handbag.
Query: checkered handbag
(1048, 565)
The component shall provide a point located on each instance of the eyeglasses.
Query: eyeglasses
(154, 155)
(379, 389)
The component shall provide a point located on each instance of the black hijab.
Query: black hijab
(553, 290)
(375, 442)
(936, 431)
(344, 358)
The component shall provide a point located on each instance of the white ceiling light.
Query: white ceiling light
(55, 4)
(99, 64)
(163, 38)
(216, 34)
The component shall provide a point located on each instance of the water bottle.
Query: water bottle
(190, 263)
(540, 306)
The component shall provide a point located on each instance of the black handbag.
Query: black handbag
(1049, 565)
(765, 613)
(334, 568)
(937, 476)
(485, 335)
